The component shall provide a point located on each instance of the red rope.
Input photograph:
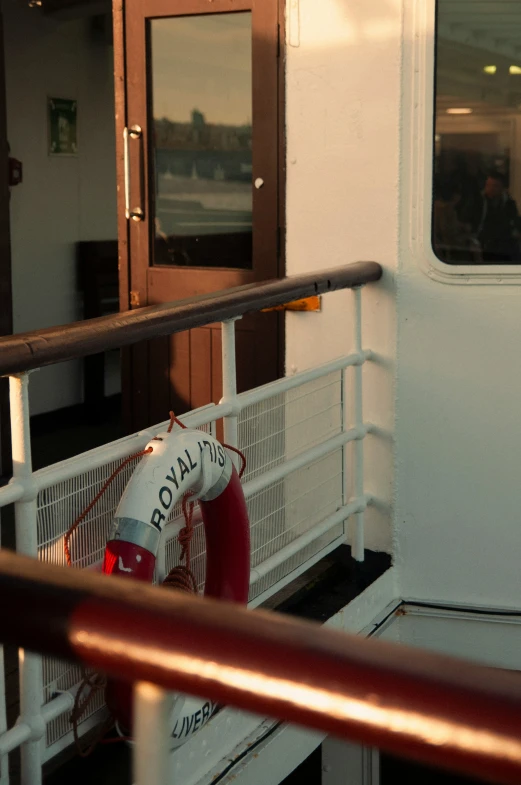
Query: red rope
(106, 485)
(173, 419)
(241, 456)
(182, 577)
(96, 682)
(177, 421)
(80, 518)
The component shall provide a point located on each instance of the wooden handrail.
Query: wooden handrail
(26, 351)
(440, 710)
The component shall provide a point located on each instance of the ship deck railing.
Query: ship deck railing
(306, 496)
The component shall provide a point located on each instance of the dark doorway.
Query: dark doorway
(199, 126)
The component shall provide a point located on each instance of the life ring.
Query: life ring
(180, 462)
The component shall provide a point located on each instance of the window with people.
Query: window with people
(476, 186)
(478, 226)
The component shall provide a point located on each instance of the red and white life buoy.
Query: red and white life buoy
(180, 462)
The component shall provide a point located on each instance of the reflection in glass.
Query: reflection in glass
(202, 146)
(477, 185)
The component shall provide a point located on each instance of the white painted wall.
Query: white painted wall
(359, 125)
(62, 200)
(458, 422)
(343, 122)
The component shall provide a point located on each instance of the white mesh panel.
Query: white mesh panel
(270, 432)
(261, 435)
(295, 561)
(60, 505)
(290, 508)
(57, 677)
(277, 430)
(288, 423)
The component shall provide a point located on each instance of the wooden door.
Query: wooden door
(6, 297)
(201, 112)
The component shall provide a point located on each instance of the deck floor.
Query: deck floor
(397, 770)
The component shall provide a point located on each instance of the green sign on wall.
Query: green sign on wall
(63, 126)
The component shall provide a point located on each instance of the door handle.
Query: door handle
(134, 132)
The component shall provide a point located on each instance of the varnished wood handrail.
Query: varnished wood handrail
(426, 706)
(26, 351)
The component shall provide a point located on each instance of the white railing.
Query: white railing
(294, 433)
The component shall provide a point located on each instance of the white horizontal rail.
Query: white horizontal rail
(261, 482)
(10, 493)
(262, 569)
(259, 394)
(300, 542)
(21, 732)
(14, 737)
(59, 705)
(122, 448)
(88, 723)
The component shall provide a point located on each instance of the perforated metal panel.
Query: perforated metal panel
(290, 508)
(59, 676)
(273, 432)
(286, 424)
(58, 507)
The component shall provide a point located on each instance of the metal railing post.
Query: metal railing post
(345, 449)
(229, 372)
(358, 545)
(152, 729)
(31, 683)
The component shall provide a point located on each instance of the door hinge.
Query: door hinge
(134, 300)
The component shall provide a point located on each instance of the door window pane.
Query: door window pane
(477, 166)
(202, 140)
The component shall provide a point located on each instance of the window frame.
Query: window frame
(417, 169)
